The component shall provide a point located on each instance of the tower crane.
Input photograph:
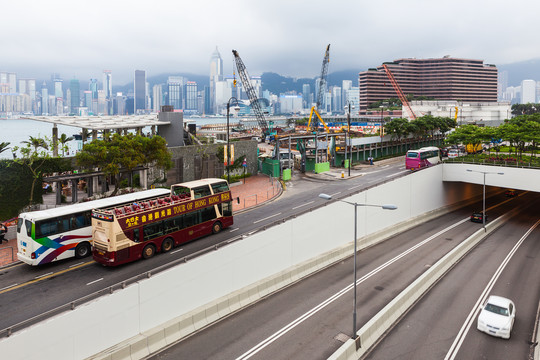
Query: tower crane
(320, 94)
(400, 94)
(253, 99)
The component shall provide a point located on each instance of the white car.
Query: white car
(497, 317)
(454, 153)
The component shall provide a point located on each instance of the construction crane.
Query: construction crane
(320, 94)
(254, 100)
(400, 94)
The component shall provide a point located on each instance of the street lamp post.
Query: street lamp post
(227, 151)
(356, 205)
(484, 194)
(348, 107)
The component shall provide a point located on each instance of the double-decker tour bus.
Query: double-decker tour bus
(66, 231)
(191, 210)
(424, 157)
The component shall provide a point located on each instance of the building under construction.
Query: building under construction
(440, 79)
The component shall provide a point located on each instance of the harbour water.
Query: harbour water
(15, 131)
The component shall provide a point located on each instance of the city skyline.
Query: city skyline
(287, 38)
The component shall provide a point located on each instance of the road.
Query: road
(443, 324)
(57, 284)
(312, 318)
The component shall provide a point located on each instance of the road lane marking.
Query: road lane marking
(266, 218)
(299, 206)
(82, 262)
(354, 187)
(458, 341)
(7, 287)
(45, 277)
(40, 276)
(234, 229)
(175, 251)
(93, 282)
(254, 350)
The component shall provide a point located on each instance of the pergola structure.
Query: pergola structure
(117, 123)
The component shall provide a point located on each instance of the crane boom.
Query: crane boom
(400, 94)
(320, 94)
(253, 99)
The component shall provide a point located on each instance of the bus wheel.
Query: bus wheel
(82, 250)
(216, 227)
(148, 251)
(167, 245)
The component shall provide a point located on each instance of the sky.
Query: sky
(79, 39)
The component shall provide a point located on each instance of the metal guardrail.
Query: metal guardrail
(6, 332)
(491, 163)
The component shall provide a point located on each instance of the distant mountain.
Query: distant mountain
(277, 84)
(201, 80)
(524, 70)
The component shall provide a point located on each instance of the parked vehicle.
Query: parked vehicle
(497, 317)
(454, 153)
(474, 148)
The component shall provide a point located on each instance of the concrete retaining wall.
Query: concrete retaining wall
(139, 320)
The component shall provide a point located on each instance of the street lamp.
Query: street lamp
(356, 205)
(348, 108)
(484, 194)
(227, 154)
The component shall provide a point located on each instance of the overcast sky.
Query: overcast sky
(81, 38)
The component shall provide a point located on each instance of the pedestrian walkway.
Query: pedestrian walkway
(254, 191)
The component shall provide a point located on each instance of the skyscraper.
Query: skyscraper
(216, 74)
(175, 85)
(44, 99)
(139, 86)
(75, 91)
(157, 95)
(191, 96)
(107, 90)
(528, 92)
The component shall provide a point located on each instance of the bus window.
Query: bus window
(220, 187)
(46, 228)
(208, 213)
(152, 231)
(201, 191)
(181, 190)
(190, 219)
(226, 209)
(28, 225)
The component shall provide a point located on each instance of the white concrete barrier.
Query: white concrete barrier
(176, 302)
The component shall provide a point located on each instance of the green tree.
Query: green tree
(33, 160)
(4, 146)
(36, 143)
(116, 153)
(63, 140)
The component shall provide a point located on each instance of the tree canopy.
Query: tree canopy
(115, 153)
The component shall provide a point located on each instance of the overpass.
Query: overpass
(132, 323)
